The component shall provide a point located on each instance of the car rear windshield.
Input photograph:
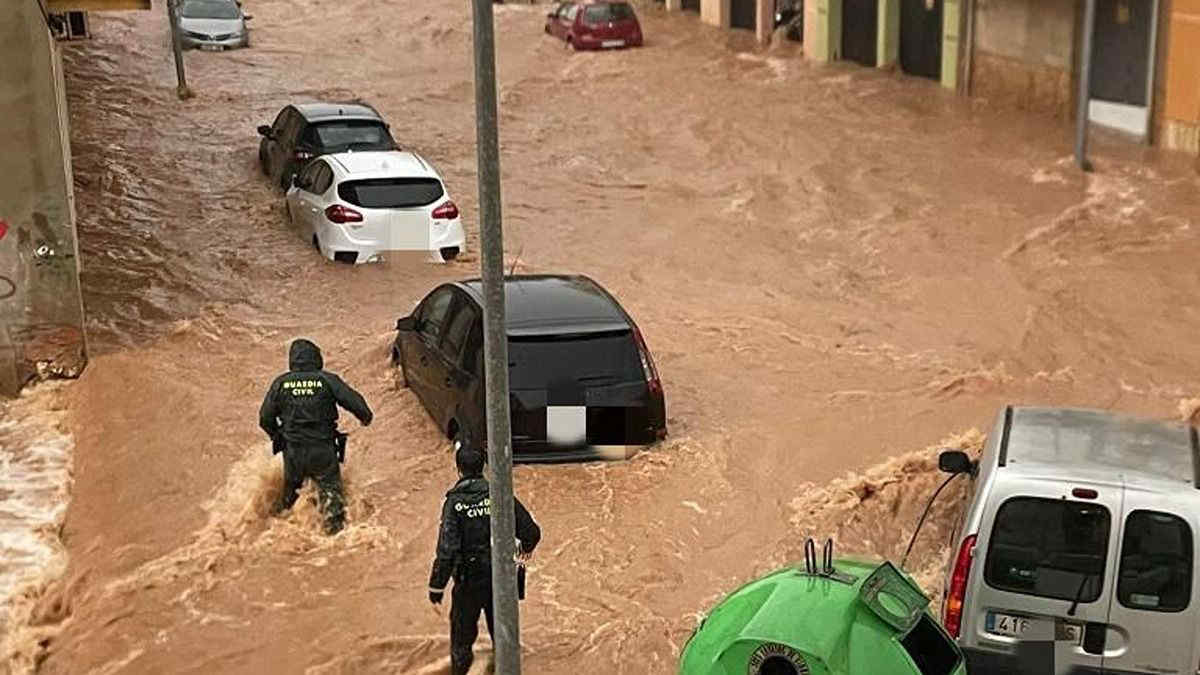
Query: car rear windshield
(573, 361)
(208, 9)
(1156, 563)
(341, 135)
(391, 193)
(617, 11)
(1050, 548)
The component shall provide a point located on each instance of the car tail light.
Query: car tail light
(447, 211)
(340, 214)
(648, 368)
(958, 587)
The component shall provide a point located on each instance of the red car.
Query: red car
(595, 24)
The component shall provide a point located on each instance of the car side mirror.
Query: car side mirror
(264, 131)
(407, 323)
(955, 461)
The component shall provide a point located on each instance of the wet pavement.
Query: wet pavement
(834, 268)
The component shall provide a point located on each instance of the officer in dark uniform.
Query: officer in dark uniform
(300, 415)
(464, 551)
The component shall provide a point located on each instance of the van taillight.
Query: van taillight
(958, 587)
(447, 211)
(648, 368)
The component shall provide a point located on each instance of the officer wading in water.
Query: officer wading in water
(300, 415)
(464, 551)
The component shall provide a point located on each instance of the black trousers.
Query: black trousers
(319, 462)
(467, 600)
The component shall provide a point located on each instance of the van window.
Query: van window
(1050, 548)
(587, 360)
(1156, 563)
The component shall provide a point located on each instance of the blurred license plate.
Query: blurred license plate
(1025, 628)
(211, 48)
(613, 43)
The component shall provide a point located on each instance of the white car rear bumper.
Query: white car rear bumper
(341, 239)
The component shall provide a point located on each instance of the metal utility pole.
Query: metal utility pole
(172, 15)
(1085, 87)
(504, 570)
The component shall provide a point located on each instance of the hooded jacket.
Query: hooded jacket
(464, 548)
(302, 403)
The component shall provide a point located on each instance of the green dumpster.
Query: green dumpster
(849, 618)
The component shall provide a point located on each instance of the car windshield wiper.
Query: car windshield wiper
(1079, 593)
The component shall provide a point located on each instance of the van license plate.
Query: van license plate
(613, 43)
(1008, 624)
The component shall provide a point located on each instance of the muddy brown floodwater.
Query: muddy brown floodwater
(837, 269)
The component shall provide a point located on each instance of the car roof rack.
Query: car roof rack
(826, 570)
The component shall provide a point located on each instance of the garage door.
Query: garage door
(860, 22)
(921, 38)
(691, 5)
(742, 14)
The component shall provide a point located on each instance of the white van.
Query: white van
(1077, 550)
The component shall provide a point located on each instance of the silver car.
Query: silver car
(1077, 551)
(212, 25)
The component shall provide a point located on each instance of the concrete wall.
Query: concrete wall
(1025, 53)
(887, 51)
(823, 30)
(41, 319)
(715, 12)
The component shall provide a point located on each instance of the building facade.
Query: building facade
(1026, 54)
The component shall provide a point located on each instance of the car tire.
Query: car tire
(285, 179)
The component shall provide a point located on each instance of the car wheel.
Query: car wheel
(285, 179)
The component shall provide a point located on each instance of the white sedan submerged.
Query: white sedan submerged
(357, 206)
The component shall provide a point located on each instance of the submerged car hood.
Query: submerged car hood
(211, 26)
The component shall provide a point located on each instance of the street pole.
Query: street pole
(506, 635)
(182, 88)
(1085, 88)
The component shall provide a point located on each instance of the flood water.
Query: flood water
(838, 271)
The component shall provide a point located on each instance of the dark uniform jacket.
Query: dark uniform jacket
(302, 403)
(465, 539)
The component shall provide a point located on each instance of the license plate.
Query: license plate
(211, 48)
(1008, 624)
(613, 43)
(1026, 628)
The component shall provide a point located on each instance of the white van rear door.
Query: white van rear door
(1042, 568)
(1154, 612)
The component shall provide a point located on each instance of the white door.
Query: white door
(1154, 607)
(1041, 573)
